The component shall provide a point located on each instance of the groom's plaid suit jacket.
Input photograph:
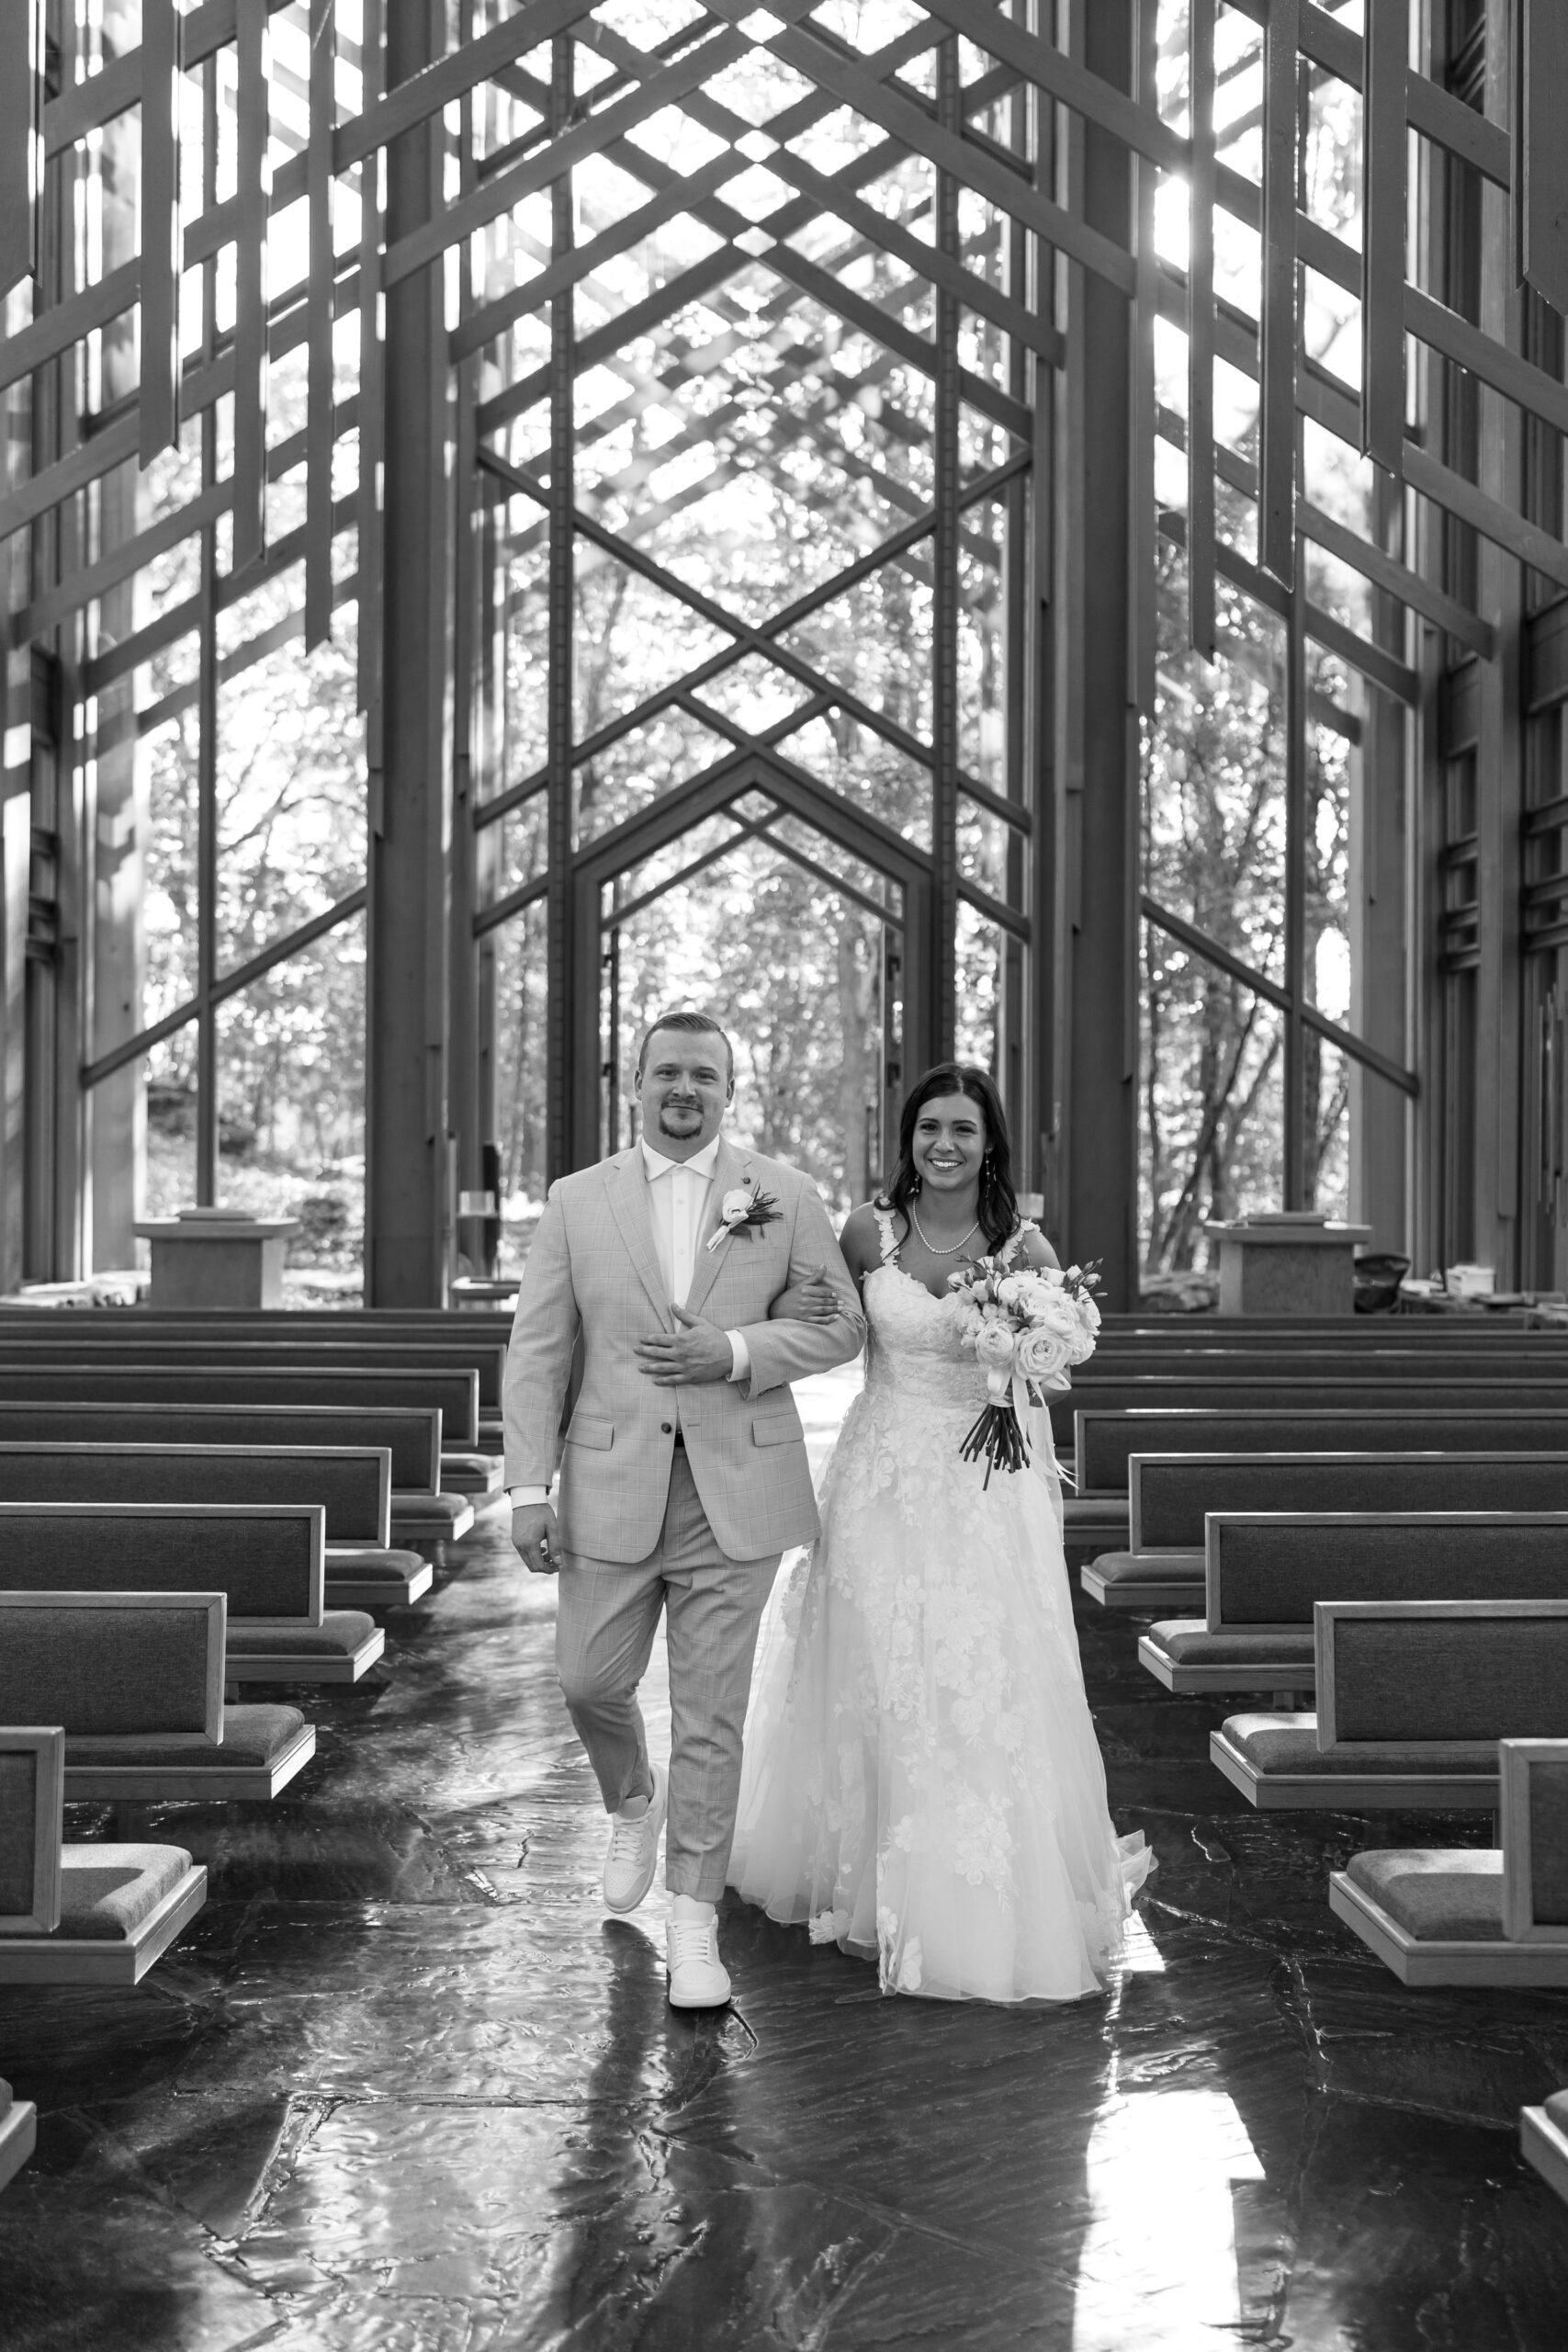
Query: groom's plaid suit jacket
(594, 1269)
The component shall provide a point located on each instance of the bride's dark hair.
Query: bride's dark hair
(998, 1202)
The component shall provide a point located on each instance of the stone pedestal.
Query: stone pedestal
(1288, 1263)
(217, 1258)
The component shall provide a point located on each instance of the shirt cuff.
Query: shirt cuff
(520, 1498)
(740, 1357)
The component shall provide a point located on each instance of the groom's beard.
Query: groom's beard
(671, 1113)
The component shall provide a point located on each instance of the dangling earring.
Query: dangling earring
(914, 1185)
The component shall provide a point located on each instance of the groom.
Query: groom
(683, 1472)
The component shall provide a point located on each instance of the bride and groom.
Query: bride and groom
(921, 1783)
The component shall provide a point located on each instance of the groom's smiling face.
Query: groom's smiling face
(685, 1087)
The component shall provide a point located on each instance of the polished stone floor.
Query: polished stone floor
(405, 2085)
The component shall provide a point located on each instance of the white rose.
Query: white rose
(1087, 1312)
(734, 1206)
(994, 1345)
(1055, 1312)
(1014, 1290)
(1044, 1354)
(1036, 1295)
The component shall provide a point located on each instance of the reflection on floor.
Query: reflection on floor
(404, 2087)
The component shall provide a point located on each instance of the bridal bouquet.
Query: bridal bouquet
(1028, 1329)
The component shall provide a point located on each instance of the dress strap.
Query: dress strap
(885, 1234)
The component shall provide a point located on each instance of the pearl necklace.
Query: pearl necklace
(932, 1245)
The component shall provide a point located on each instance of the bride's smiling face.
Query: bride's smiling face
(949, 1144)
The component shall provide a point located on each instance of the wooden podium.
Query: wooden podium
(217, 1258)
(1288, 1262)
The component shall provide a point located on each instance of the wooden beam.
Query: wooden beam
(1383, 146)
(1542, 178)
(1200, 334)
(1277, 325)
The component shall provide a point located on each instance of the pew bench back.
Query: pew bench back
(1170, 1495)
(1266, 1572)
(1107, 1439)
(409, 1435)
(1109, 1391)
(350, 1485)
(1534, 1823)
(112, 1665)
(1441, 1675)
(269, 1560)
(126, 1382)
(226, 1342)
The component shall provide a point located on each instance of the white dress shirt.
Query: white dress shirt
(678, 1199)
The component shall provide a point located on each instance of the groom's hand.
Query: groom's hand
(534, 1537)
(699, 1351)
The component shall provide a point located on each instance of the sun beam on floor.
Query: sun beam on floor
(1159, 2265)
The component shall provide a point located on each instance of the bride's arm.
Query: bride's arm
(812, 1301)
(1035, 1250)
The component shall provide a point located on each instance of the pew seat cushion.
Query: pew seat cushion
(1114, 1568)
(1187, 1641)
(443, 1509)
(1287, 1744)
(107, 1891)
(252, 1737)
(340, 1634)
(386, 1565)
(1444, 1896)
(1094, 1510)
(472, 1473)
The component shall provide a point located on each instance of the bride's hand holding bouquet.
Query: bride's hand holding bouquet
(1027, 1329)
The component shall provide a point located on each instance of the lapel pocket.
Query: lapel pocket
(588, 1430)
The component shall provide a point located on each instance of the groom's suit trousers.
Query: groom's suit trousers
(608, 1614)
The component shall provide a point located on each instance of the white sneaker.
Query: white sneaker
(634, 1849)
(698, 1978)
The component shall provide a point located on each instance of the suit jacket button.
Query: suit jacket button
(666, 1428)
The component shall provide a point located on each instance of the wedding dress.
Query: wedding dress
(921, 1780)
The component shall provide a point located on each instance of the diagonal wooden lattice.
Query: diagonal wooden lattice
(993, 111)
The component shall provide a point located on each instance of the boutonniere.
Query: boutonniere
(744, 1210)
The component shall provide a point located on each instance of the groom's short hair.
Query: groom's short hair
(690, 1025)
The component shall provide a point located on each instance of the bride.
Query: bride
(921, 1781)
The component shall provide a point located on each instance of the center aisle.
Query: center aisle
(405, 2086)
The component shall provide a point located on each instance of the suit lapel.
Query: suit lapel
(728, 1172)
(625, 1181)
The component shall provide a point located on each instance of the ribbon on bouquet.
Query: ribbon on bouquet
(1014, 1387)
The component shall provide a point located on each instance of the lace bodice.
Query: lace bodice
(914, 1353)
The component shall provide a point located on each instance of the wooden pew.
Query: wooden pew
(1170, 1498)
(274, 1371)
(1413, 1697)
(269, 1560)
(1106, 1441)
(350, 1485)
(1447, 1386)
(136, 1680)
(91, 1914)
(1543, 2140)
(1525, 1357)
(1474, 1915)
(18, 2133)
(409, 1434)
(292, 1339)
(1265, 1570)
(1489, 1323)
